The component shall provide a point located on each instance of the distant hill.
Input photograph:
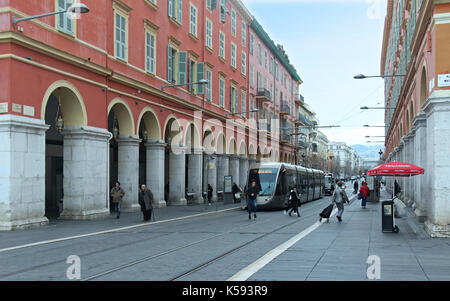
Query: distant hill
(368, 152)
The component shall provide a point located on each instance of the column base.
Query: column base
(85, 215)
(24, 224)
(132, 208)
(420, 215)
(159, 204)
(437, 230)
(180, 202)
(199, 200)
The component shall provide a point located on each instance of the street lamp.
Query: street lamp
(375, 108)
(375, 126)
(239, 113)
(74, 8)
(375, 137)
(362, 76)
(200, 82)
(375, 141)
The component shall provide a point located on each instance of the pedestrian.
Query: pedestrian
(210, 192)
(295, 201)
(146, 200)
(364, 192)
(397, 188)
(355, 187)
(117, 194)
(236, 190)
(252, 194)
(339, 198)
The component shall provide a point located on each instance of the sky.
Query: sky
(328, 42)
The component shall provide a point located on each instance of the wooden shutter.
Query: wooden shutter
(200, 76)
(182, 57)
(169, 64)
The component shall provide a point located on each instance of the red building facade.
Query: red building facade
(126, 81)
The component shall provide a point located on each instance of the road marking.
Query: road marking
(44, 242)
(254, 267)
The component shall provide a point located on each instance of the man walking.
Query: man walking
(146, 200)
(252, 193)
(364, 192)
(210, 193)
(117, 194)
(339, 198)
(355, 187)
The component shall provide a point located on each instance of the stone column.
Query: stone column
(407, 159)
(85, 173)
(437, 170)
(234, 168)
(243, 164)
(211, 174)
(420, 150)
(251, 161)
(222, 171)
(401, 158)
(177, 176)
(22, 172)
(155, 171)
(195, 174)
(128, 171)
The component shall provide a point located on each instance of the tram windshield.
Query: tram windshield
(265, 180)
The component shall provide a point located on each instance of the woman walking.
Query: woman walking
(295, 201)
(339, 198)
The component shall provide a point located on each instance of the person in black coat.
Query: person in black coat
(252, 193)
(235, 189)
(295, 201)
(210, 192)
(355, 187)
(146, 200)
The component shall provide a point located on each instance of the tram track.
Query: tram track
(208, 262)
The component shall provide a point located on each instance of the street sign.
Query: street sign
(443, 80)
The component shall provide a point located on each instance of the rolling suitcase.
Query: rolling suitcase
(326, 212)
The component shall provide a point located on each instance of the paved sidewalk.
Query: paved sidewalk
(64, 228)
(339, 251)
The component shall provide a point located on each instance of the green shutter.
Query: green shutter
(182, 57)
(169, 64)
(213, 4)
(171, 7)
(200, 76)
(180, 11)
(61, 7)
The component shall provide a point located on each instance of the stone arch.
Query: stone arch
(72, 104)
(242, 148)
(251, 150)
(232, 147)
(173, 131)
(209, 142)
(221, 143)
(124, 116)
(150, 119)
(192, 136)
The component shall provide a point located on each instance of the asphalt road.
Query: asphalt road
(213, 247)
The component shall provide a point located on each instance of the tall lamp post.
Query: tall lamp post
(76, 8)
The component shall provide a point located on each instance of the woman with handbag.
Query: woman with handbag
(339, 198)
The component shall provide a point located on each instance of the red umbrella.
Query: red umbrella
(396, 169)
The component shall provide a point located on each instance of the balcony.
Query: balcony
(299, 99)
(301, 119)
(263, 95)
(263, 125)
(285, 109)
(301, 144)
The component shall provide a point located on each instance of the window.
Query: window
(209, 33)
(65, 23)
(251, 44)
(171, 58)
(150, 52)
(243, 102)
(182, 67)
(259, 53)
(233, 55)
(271, 65)
(209, 84)
(176, 10)
(222, 92)
(193, 20)
(176, 66)
(233, 22)
(252, 107)
(244, 63)
(211, 4)
(120, 36)
(192, 74)
(244, 33)
(200, 76)
(252, 81)
(223, 11)
(233, 100)
(222, 45)
(265, 59)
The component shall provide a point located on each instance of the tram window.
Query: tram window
(265, 180)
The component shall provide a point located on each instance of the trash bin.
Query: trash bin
(387, 217)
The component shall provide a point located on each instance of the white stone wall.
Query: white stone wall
(22, 172)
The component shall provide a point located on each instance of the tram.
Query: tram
(274, 181)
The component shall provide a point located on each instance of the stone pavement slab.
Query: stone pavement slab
(339, 251)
